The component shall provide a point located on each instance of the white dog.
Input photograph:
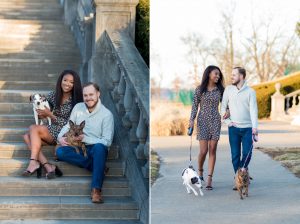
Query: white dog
(190, 179)
(39, 102)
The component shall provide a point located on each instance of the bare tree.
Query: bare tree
(177, 83)
(269, 53)
(198, 53)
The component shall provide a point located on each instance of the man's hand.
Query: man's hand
(254, 131)
(232, 124)
(79, 138)
(62, 141)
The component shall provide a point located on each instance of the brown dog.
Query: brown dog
(75, 131)
(242, 181)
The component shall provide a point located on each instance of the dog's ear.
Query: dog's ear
(82, 124)
(43, 97)
(71, 123)
(31, 98)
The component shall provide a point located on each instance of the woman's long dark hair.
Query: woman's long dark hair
(205, 80)
(77, 95)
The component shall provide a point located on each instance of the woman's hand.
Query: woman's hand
(227, 114)
(191, 124)
(44, 113)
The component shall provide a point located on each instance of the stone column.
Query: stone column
(115, 15)
(277, 104)
(111, 15)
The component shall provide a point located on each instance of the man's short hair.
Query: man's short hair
(91, 84)
(241, 70)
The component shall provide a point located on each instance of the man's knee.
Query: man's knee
(60, 153)
(100, 149)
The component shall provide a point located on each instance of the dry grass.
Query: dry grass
(168, 118)
(288, 157)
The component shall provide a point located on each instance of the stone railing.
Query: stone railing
(104, 31)
(292, 102)
(285, 108)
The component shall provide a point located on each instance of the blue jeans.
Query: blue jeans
(95, 162)
(238, 137)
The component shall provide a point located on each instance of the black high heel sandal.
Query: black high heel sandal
(201, 177)
(55, 173)
(209, 187)
(38, 171)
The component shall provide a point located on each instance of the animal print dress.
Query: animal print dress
(209, 118)
(62, 115)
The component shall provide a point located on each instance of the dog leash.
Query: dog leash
(190, 133)
(250, 151)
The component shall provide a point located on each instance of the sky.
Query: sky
(173, 19)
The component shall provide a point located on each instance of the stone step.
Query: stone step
(16, 120)
(18, 96)
(28, 14)
(36, 66)
(16, 111)
(32, 25)
(19, 150)
(65, 57)
(15, 167)
(70, 221)
(64, 207)
(63, 186)
(24, 42)
(26, 85)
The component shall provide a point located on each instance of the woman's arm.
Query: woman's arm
(196, 101)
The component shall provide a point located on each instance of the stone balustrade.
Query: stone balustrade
(104, 31)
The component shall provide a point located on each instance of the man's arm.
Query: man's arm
(253, 110)
(224, 106)
(66, 128)
(107, 132)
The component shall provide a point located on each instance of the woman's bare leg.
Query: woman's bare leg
(202, 155)
(38, 134)
(212, 159)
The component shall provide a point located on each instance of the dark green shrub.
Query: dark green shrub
(142, 29)
(264, 92)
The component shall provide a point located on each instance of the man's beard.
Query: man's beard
(91, 107)
(236, 82)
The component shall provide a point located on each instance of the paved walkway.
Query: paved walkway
(274, 194)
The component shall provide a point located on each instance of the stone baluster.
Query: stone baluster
(115, 78)
(287, 103)
(121, 92)
(128, 99)
(294, 101)
(145, 168)
(134, 118)
(141, 133)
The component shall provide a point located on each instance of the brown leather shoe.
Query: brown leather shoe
(96, 196)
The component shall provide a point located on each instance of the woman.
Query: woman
(68, 93)
(208, 95)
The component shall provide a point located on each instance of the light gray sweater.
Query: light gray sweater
(99, 124)
(242, 106)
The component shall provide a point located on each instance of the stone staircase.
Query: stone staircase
(35, 46)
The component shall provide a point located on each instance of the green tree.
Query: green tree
(298, 29)
(142, 29)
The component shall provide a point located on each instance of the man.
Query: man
(97, 136)
(242, 123)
